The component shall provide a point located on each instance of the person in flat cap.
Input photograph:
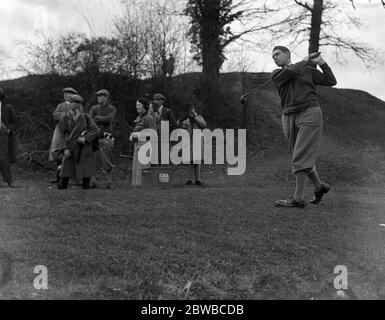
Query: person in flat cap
(165, 114)
(77, 131)
(59, 112)
(70, 90)
(103, 92)
(104, 114)
(75, 98)
(7, 139)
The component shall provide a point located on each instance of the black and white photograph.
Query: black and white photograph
(206, 153)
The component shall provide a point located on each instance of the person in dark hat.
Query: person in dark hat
(7, 139)
(77, 131)
(59, 112)
(104, 114)
(165, 114)
(75, 98)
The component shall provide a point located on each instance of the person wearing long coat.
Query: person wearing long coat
(59, 112)
(8, 151)
(78, 132)
(194, 121)
(143, 121)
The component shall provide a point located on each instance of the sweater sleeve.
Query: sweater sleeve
(92, 113)
(282, 76)
(109, 118)
(325, 78)
(200, 121)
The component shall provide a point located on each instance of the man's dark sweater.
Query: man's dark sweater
(295, 84)
(106, 117)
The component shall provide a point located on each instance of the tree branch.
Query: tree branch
(304, 5)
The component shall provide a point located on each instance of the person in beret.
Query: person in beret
(59, 112)
(77, 131)
(8, 127)
(104, 114)
(143, 121)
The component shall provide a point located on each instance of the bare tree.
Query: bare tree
(53, 55)
(72, 53)
(149, 32)
(130, 32)
(42, 58)
(319, 23)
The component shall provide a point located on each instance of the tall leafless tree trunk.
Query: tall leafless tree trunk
(316, 23)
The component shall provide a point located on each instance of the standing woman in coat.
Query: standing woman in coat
(143, 121)
(78, 132)
(191, 122)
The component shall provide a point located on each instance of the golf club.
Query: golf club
(243, 98)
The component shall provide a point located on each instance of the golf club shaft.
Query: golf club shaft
(257, 88)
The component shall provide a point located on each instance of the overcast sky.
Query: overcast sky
(20, 19)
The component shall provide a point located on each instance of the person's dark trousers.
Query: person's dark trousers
(86, 183)
(6, 171)
(63, 183)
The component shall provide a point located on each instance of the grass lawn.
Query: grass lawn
(224, 241)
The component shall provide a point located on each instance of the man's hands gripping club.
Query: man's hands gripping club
(316, 58)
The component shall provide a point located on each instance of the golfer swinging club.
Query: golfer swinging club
(302, 118)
